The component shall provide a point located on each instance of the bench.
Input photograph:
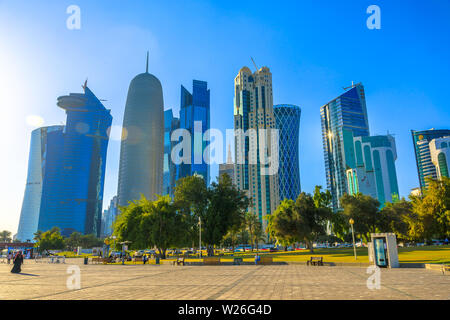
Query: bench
(265, 260)
(237, 261)
(315, 261)
(180, 260)
(208, 261)
(137, 259)
(97, 260)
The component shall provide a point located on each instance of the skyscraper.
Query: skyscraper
(72, 193)
(142, 147)
(228, 167)
(421, 141)
(287, 119)
(374, 170)
(253, 112)
(170, 169)
(342, 119)
(195, 118)
(45, 143)
(109, 217)
(440, 156)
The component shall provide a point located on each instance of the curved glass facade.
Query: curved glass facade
(287, 119)
(38, 159)
(72, 193)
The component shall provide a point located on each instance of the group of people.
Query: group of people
(17, 259)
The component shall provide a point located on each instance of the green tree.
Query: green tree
(394, 217)
(5, 236)
(51, 240)
(73, 241)
(363, 209)
(298, 221)
(225, 212)
(431, 211)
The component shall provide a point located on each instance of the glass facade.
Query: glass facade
(287, 119)
(109, 217)
(342, 119)
(425, 167)
(195, 118)
(72, 193)
(45, 143)
(169, 169)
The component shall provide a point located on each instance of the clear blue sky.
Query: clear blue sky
(312, 49)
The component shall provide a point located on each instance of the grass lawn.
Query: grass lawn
(427, 254)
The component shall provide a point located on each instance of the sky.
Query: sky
(312, 48)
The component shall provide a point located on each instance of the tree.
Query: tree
(225, 212)
(298, 221)
(431, 212)
(394, 217)
(73, 241)
(51, 240)
(151, 224)
(363, 209)
(5, 236)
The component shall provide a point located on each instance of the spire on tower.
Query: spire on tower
(146, 67)
(229, 158)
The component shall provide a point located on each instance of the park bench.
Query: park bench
(180, 260)
(237, 261)
(211, 261)
(137, 259)
(97, 260)
(315, 261)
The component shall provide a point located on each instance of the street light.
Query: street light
(123, 250)
(353, 236)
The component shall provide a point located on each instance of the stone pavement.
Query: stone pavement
(48, 281)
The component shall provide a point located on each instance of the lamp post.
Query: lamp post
(123, 250)
(200, 237)
(353, 236)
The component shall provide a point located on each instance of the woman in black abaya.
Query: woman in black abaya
(18, 260)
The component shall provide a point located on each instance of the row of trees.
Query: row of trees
(422, 218)
(53, 240)
(165, 223)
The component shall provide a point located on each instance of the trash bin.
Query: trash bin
(157, 260)
(86, 260)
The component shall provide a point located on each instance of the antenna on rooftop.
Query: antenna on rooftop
(254, 64)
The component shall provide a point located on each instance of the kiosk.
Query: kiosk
(383, 250)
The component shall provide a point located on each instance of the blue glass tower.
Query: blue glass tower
(72, 193)
(195, 117)
(287, 119)
(169, 168)
(44, 147)
(342, 119)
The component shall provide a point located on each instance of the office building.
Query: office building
(44, 146)
(440, 156)
(72, 193)
(142, 147)
(169, 168)
(425, 167)
(255, 158)
(228, 167)
(287, 119)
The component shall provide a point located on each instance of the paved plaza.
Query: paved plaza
(48, 281)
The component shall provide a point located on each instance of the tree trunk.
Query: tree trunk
(210, 251)
(162, 253)
(309, 245)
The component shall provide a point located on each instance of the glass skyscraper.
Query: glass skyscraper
(72, 193)
(425, 167)
(287, 119)
(169, 168)
(195, 118)
(44, 147)
(342, 119)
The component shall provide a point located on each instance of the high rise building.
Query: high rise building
(72, 193)
(440, 156)
(228, 167)
(109, 217)
(195, 118)
(342, 119)
(44, 147)
(287, 119)
(253, 112)
(425, 167)
(142, 147)
(374, 170)
(169, 168)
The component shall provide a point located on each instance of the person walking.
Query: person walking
(9, 256)
(18, 260)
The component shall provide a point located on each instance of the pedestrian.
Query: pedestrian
(18, 260)
(144, 258)
(9, 257)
